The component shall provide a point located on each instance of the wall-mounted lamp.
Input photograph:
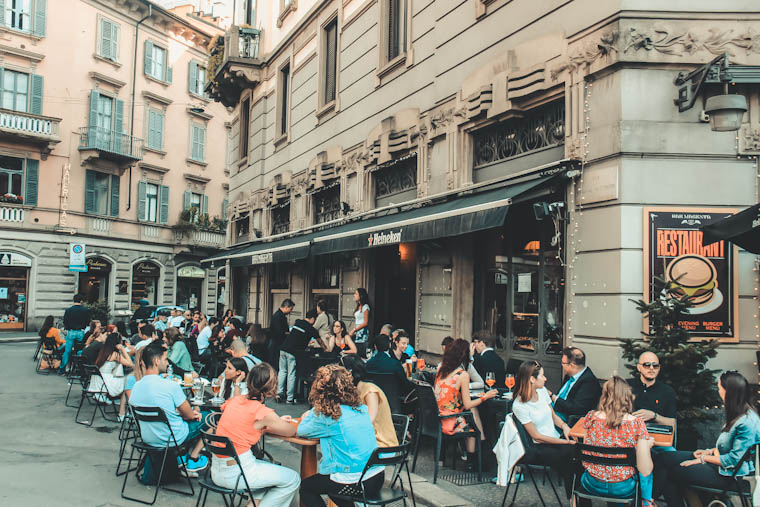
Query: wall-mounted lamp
(724, 111)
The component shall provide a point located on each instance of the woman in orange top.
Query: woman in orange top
(244, 419)
(48, 330)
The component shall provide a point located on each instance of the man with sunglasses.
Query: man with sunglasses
(655, 401)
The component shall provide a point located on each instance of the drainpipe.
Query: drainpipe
(132, 114)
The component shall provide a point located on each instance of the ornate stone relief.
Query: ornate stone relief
(670, 40)
(588, 54)
(749, 140)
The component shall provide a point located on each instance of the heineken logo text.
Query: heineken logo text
(384, 238)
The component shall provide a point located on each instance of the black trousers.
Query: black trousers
(312, 489)
(559, 457)
(672, 480)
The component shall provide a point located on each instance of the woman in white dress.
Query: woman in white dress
(360, 333)
(112, 359)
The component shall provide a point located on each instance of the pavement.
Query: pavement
(49, 460)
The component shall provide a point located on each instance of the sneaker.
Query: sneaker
(194, 465)
(279, 399)
(291, 402)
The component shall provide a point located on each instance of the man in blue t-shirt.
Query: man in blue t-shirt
(155, 391)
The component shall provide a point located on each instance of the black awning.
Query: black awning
(742, 229)
(454, 217)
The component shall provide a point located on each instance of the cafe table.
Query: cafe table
(662, 440)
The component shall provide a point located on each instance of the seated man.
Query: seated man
(580, 392)
(382, 362)
(485, 359)
(160, 324)
(297, 341)
(655, 402)
(238, 349)
(146, 334)
(152, 390)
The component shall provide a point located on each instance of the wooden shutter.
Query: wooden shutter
(202, 142)
(187, 199)
(115, 195)
(2, 12)
(168, 71)
(94, 100)
(163, 216)
(192, 77)
(89, 192)
(142, 190)
(155, 129)
(32, 178)
(149, 58)
(204, 204)
(35, 99)
(106, 36)
(118, 115)
(40, 8)
(331, 45)
(116, 35)
(225, 205)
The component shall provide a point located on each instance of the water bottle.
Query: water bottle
(170, 372)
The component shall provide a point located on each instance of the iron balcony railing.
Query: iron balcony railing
(111, 142)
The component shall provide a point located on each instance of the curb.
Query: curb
(18, 340)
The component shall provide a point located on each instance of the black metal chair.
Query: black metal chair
(527, 465)
(383, 456)
(37, 351)
(741, 486)
(48, 352)
(75, 375)
(127, 432)
(97, 396)
(401, 425)
(430, 426)
(606, 456)
(222, 447)
(389, 384)
(172, 448)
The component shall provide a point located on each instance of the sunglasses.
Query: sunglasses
(655, 366)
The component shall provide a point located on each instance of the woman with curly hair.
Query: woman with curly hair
(346, 437)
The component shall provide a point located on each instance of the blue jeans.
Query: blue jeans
(620, 489)
(72, 335)
(287, 374)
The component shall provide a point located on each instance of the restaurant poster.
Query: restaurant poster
(673, 251)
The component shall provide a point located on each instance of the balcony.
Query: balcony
(234, 65)
(10, 213)
(105, 144)
(30, 128)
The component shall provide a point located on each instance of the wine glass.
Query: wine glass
(490, 379)
(197, 387)
(509, 381)
(216, 386)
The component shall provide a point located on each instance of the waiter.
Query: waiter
(75, 319)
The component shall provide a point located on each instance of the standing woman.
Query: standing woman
(339, 341)
(360, 333)
(533, 408)
(712, 468)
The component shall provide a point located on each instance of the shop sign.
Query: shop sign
(673, 252)
(3, 292)
(98, 265)
(262, 258)
(191, 272)
(14, 259)
(384, 238)
(21, 298)
(146, 269)
(77, 254)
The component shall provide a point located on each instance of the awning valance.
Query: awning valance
(742, 229)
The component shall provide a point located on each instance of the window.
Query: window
(284, 90)
(151, 203)
(24, 15)
(245, 111)
(196, 79)
(15, 90)
(327, 205)
(281, 219)
(198, 142)
(11, 175)
(155, 137)
(108, 42)
(396, 181)
(101, 193)
(156, 62)
(330, 61)
(395, 29)
(195, 201)
(249, 16)
(242, 227)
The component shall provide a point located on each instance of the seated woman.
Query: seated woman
(179, 356)
(374, 398)
(347, 439)
(532, 406)
(257, 342)
(712, 468)
(614, 426)
(452, 392)
(233, 377)
(244, 419)
(49, 331)
(339, 342)
(111, 360)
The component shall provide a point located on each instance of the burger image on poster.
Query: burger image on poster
(695, 276)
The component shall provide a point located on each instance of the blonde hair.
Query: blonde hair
(616, 401)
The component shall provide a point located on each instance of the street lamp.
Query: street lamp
(725, 111)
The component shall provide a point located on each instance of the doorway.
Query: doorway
(395, 288)
(94, 284)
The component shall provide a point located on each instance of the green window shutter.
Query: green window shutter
(115, 33)
(35, 101)
(155, 129)
(225, 205)
(94, 99)
(168, 77)
(148, 58)
(160, 130)
(186, 199)
(40, 8)
(2, 10)
(115, 195)
(164, 211)
(199, 142)
(32, 178)
(192, 77)
(89, 192)
(118, 115)
(204, 204)
(106, 36)
(142, 190)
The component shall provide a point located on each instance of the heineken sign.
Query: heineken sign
(384, 238)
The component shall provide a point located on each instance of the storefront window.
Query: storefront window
(145, 276)
(14, 277)
(221, 290)
(94, 284)
(190, 286)
(326, 282)
(281, 219)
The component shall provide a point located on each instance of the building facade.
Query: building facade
(483, 165)
(108, 141)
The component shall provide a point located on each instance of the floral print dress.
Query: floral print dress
(449, 399)
(598, 433)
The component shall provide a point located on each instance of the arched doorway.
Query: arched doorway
(14, 290)
(190, 286)
(95, 283)
(145, 275)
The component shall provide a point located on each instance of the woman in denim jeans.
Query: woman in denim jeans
(346, 438)
(614, 426)
(713, 468)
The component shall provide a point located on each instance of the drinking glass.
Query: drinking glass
(490, 379)
(420, 364)
(509, 381)
(197, 388)
(188, 379)
(216, 386)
